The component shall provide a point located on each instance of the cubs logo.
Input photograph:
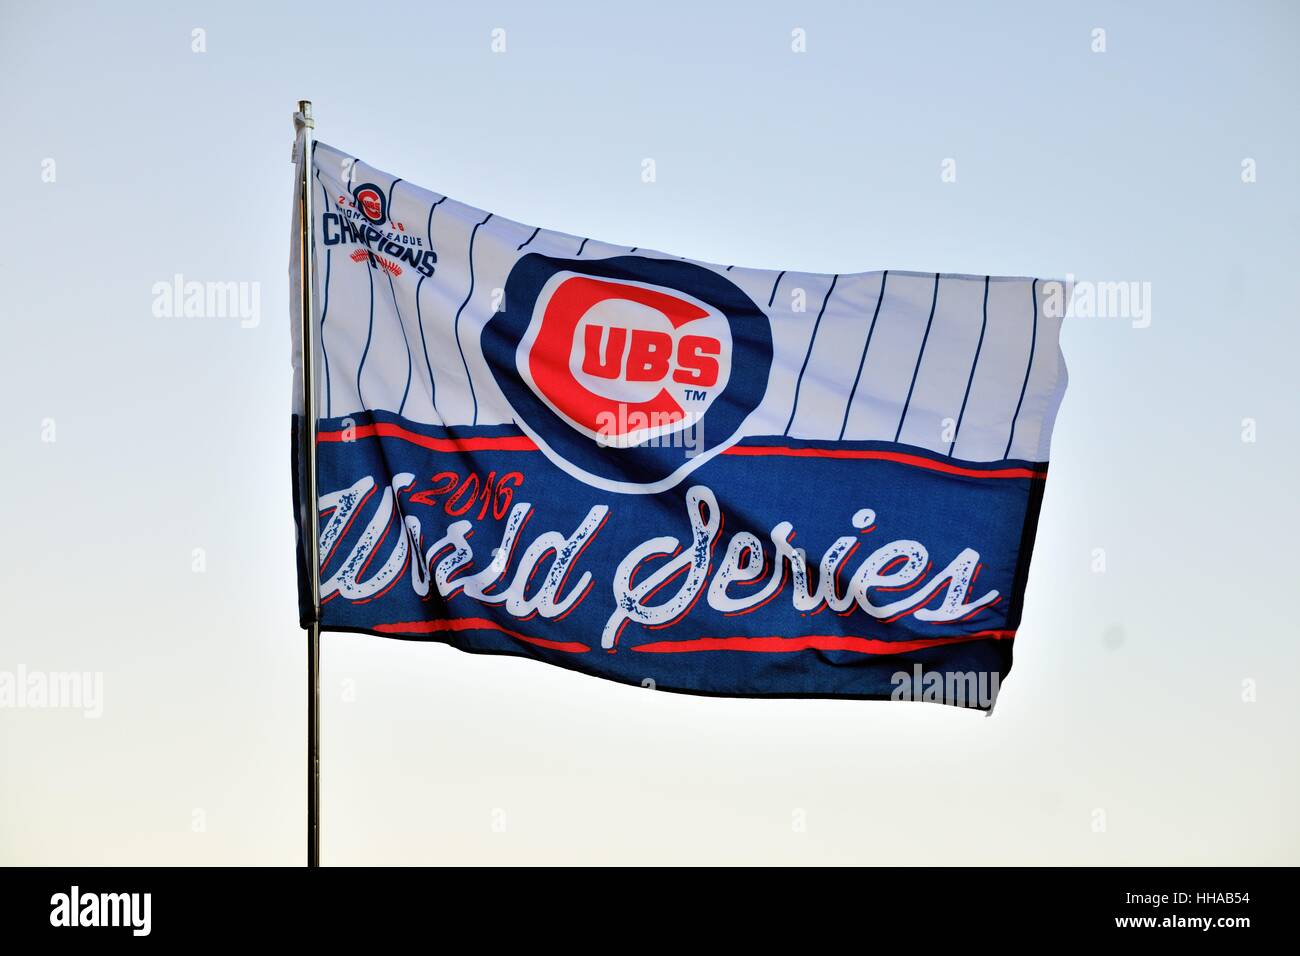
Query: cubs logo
(372, 203)
(629, 372)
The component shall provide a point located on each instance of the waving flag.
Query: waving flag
(674, 474)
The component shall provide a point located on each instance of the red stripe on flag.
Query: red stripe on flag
(820, 642)
(524, 443)
(411, 628)
(901, 458)
(389, 430)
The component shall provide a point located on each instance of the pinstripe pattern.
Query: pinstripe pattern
(919, 355)
(889, 356)
(456, 322)
(406, 390)
(807, 355)
(370, 334)
(984, 324)
(325, 306)
(772, 298)
(1033, 344)
(857, 378)
(528, 240)
(419, 317)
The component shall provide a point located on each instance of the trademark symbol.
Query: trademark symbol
(695, 395)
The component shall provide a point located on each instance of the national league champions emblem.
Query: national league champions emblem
(669, 473)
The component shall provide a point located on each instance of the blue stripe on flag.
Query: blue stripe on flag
(973, 365)
(807, 355)
(1033, 343)
(863, 361)
(919, 355)
(325, 305)
(529, 239)
(456, 324)
(419, 317)
(771, 298)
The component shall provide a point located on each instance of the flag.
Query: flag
(675, 474)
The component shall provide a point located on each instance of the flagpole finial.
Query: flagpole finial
(303, 118)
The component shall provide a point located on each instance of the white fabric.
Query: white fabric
(822, 368)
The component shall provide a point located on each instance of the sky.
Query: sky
(149, 536)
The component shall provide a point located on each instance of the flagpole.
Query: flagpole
(307, 293)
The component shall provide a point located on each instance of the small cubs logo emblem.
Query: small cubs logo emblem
(372, 203)
(628, 372)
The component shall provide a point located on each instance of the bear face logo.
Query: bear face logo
(628, 372)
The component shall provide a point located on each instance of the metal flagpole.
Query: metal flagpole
(307, 303)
